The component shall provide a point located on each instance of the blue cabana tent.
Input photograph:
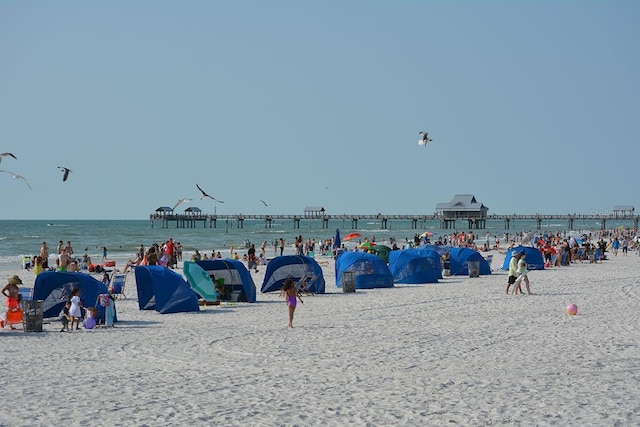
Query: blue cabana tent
(460, 257)
(370, 270)
(236, 276)
(296, 268)
(534, 257)
(54, 289)
(164, 290)
(411, 266)
(434, 256)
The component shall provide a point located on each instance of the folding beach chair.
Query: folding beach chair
(302, 285)
(116, 287)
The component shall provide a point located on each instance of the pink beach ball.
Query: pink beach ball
(572, 309)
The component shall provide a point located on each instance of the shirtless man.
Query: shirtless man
(68, 249)
(44, 255)
(63, 261)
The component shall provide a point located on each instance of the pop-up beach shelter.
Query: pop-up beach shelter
(235, 275)
(54, 289)
(410, 266)
(369, 270)
(460, 258)
(296, 268)
(434, 256)
(164, 290)
(533, 257)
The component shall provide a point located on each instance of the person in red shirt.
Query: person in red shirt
(171, 253)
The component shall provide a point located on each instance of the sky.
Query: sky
(533, 106)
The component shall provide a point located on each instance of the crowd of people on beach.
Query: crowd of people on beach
(558, 249)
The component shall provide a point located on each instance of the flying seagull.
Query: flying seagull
(2, 155)
(425, 138)
(16, 176)
(203, 195)
(180, 201)
(264, 203)
(65, 172)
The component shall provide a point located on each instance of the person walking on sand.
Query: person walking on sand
(522, 275)
(292, 296)
(513, 269)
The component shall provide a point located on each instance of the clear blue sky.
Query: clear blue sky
(532, 106)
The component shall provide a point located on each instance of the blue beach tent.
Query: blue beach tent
(534, 257)
(296, 268)
(411, 266)
(236, 276)
(434, 256)
(461, 256)
(164, 290)
(54, 289)
(370, 271)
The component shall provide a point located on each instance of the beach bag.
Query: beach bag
(104, 300)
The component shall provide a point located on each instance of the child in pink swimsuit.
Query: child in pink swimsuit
(292, 296)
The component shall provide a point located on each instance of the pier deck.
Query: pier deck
(190, 220)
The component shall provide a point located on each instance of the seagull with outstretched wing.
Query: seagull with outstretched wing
(16, 176)
(203, 194)
(65, 172)
(3, 155)
(180, 201)
(264, 203)
(425, 138)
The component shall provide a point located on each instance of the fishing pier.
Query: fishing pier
(199, 219)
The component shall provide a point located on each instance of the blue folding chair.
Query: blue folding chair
(116, 287)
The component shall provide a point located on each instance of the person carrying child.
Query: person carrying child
(292, 296)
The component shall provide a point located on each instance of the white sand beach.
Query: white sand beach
(459, 352)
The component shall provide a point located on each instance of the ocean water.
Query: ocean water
(122, 238)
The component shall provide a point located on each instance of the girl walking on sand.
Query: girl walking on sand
(292, 296)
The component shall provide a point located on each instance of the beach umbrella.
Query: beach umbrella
(427, 233)
(336, 240)
(367, 245)
(351, 236)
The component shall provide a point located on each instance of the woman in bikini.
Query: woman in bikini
(292, 296)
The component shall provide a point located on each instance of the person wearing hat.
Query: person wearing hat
(12, 292)
(513, 269)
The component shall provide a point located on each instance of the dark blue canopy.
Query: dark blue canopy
(234, 273)
(412, 267)
(369, 270)
(164, 290)
(54, 289)
(296, 268)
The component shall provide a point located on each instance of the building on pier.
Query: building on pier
(462, 207)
